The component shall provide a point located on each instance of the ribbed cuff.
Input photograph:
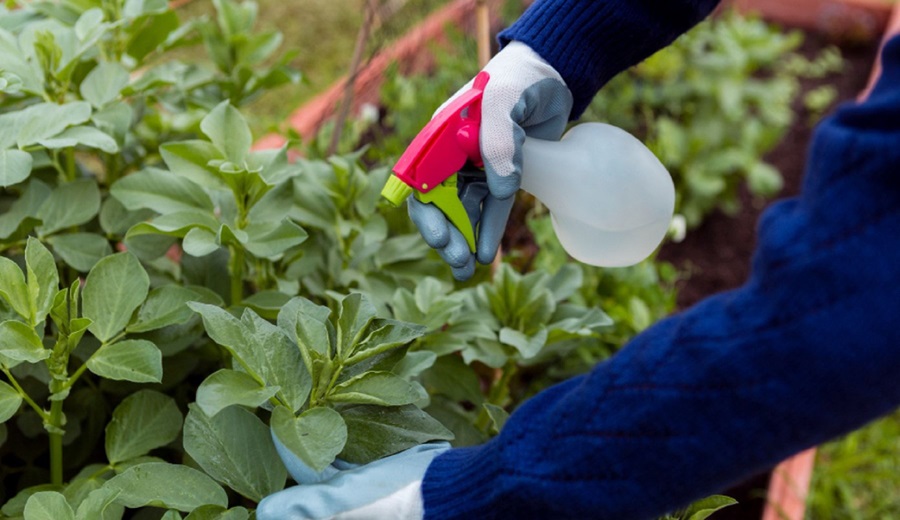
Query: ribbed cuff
(590, 41)
(465, 483)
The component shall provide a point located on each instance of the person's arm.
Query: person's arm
(807, 349)
(590, 41)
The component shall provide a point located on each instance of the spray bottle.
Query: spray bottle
(610, 199)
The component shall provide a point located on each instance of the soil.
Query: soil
(716, 256)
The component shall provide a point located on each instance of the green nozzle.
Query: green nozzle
(395, 190)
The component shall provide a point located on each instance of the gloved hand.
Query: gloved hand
(525, 96)
(387, 488)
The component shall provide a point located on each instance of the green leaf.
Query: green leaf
(115, 219)
(316, 436)
(262, 349)
(190, 159)
(764, 179)
(88, 22)
(451, 377)
(228, 235)
(13, 287)
(271, 241)
(135, 360)
(566, 282)
(200, 242)
(387, 334)
(16, 219)
(48, 505)
(100, 504)
(144, 421)
(497, 414)
(19, 342)
(114, 288)
(218, 513)
(15, 507)
(702, 509)
(381, 388)
(70, 204)
(46, 120)
(161, 484)
(10, 399)
(275, 205)
(166, 305)
(311, 332)
(103, 83)
(161, 191)
(175, 224)
(43, 279)
(145, 37)
(15, 167)
(235, 447)
(528, 346)
(229, 387)
(267, 303)
(81, 135)
(228, 131)
(374, 432)
(356, 313)
(81, 251)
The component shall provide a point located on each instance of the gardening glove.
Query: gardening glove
(387, 488)
(525, 96)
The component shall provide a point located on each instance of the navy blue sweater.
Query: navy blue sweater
(807, 349)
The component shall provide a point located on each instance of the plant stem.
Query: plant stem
(236, 270)
(56, 446)
(498, 394)
(15, 382)
(71, 171)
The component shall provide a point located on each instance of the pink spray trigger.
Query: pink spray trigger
(445, 144)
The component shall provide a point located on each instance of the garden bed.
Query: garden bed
(717, 254)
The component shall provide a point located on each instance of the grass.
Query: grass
(323, 32)
(857, 477)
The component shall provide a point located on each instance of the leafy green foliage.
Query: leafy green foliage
(190, 204)
(103, 131)
(711, 105)
(487, 335)
(348, 357)
(356, 242)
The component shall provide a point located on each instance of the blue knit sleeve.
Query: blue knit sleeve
(590, 41)
(807, 349)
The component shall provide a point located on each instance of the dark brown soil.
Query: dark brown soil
(717, 255)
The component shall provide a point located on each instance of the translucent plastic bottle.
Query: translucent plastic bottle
(610, 199)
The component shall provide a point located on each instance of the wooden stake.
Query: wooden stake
(483, 38)
(483, 32)
(361, 38)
